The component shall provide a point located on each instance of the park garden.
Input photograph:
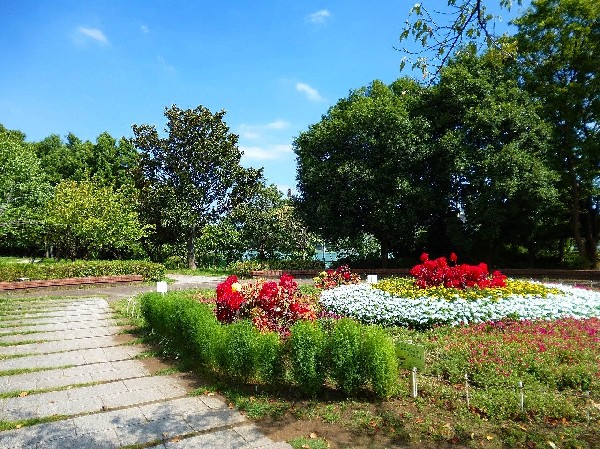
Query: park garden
(495, 160)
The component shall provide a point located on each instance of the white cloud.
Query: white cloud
(166, 67)
(311, 93)
(278, 124)
(144, 29)
(270, 152)
(93, 33)
(319, 17)
(256, 131)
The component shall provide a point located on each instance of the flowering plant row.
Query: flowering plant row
(334, 278)
(433, 273)
(270, 305)
(372, 305)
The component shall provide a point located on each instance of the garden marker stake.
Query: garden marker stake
(522, 398)
(467, 389)
(413, 382)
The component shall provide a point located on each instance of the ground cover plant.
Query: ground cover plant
(502, 383)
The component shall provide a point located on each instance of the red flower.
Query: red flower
(453, 257)
(424, 257)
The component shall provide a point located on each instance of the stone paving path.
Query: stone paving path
(62, 362)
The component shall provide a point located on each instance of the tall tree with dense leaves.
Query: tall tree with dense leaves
(559, 55)
(502, 185)
(364, 169)
(23, 193)
(189, 178)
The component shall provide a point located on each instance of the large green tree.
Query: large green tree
(270, 226)
(559, 57)
(365, 169)
(107, 162)
(498, 145)
(191, 177)
(23, 193)
(84, 220)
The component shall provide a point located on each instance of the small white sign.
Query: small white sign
(161, 287)
(371, 279)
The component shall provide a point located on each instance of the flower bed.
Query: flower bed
(369, 304)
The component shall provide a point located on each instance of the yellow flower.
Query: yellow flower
(236, 287)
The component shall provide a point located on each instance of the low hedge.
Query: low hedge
(11, 272)
(244, 268)
(344, 354)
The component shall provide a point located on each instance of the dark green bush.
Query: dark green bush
(381, 363)
(347, 364)
(10, 272)
(307, 344)
(202, 331)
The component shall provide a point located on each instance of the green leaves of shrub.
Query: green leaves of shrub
(347, 361)
(307, 344)
(380, 360)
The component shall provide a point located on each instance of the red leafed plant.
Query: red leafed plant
(270, 305)
(437, 272)
(334, 278)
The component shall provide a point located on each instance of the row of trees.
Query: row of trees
(175, 197)
(498, 159)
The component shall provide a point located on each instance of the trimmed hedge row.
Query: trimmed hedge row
(11, 272)
(345, 353)
(245, 268)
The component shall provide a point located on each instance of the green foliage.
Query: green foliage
(270, 226)
(10, 272)
(380, 361)
(83, 219)
(244, 268)
(237, 355)
(307, 345)
(191, 177)
(269, 357)
(23, 193)
(347, 355)
(558, 51)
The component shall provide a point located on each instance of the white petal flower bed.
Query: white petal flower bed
(370, 305)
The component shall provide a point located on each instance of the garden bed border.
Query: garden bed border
(91, 280)
(532, 273)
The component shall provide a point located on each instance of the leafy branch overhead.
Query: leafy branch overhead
(441, 33)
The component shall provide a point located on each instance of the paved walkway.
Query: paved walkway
(64, 361)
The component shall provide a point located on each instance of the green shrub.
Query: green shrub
(14, 271)
(269, 357)
(307, 344)
(347, 364)
(381, 363)
(237, 350)
(202, 332)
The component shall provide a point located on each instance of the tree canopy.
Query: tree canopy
(189, 178)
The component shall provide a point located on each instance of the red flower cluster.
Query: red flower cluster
(270, 305)
(334, 278)
(434, 273)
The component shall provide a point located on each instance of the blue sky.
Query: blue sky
(275, 66)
